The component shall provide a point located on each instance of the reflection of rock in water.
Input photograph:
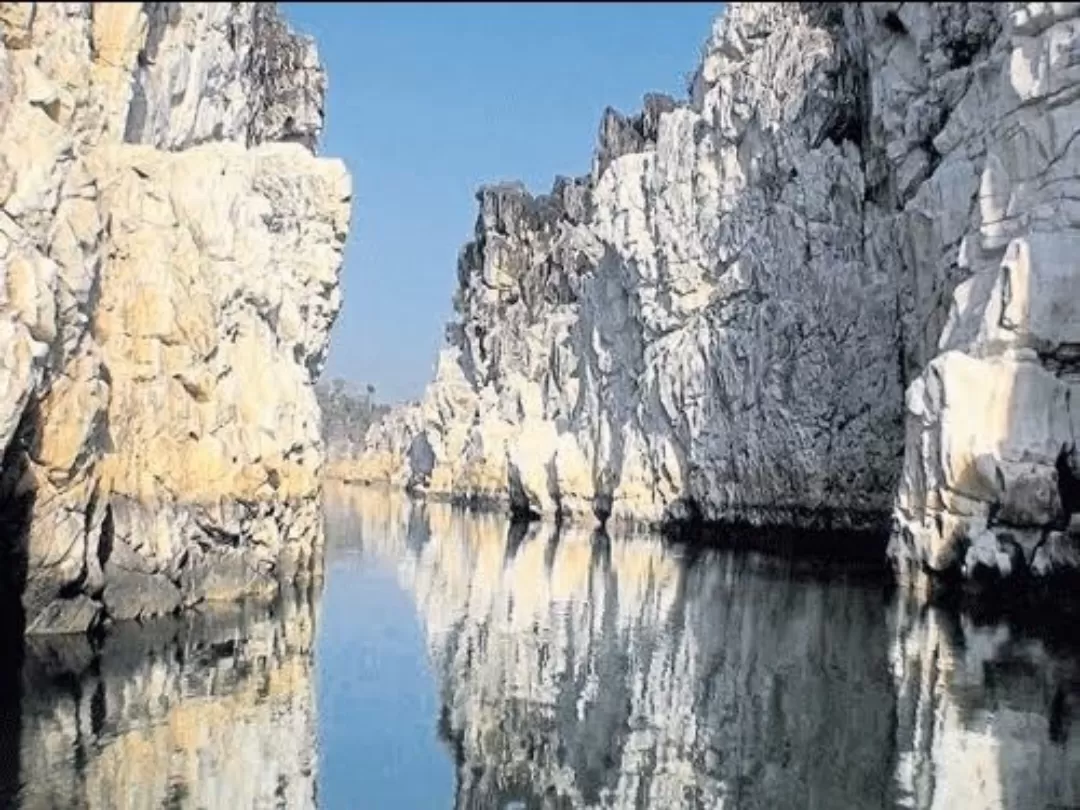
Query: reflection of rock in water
(582, 671)
(987, 717)
(211, 710)
(579, 671)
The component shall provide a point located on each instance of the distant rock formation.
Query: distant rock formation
(347, 415)
(169, 251)
(841, 270)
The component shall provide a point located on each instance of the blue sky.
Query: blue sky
(428, 102)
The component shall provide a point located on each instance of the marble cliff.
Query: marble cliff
(837, 285)
(169, 257)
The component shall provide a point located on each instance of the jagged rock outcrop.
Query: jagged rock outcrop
(581, 671)
(992, 473)
(735, 314)
(161, 714)
(693, 330)
(170, 249)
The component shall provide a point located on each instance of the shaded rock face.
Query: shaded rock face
(160, 714)
(582, 670)
(692, 330)
(170, 250)
(784, 301)
(991, 465)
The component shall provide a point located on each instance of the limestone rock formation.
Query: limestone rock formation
(694, 329)
(991, 480)
(840, 270)
(169, 248)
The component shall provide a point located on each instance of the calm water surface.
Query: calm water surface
(453, 661)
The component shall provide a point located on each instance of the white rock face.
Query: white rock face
(169, 251)
(693, 329)
(991, 480)
(733, 317)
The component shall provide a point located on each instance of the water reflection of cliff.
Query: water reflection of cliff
(988, 714)
(211, 710)
(581, 671)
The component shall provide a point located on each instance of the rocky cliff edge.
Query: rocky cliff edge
(832, 287)
(169, 257)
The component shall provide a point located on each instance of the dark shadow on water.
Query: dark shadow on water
(11, 661)
(813, 552)
(1047, 610)
(516, 534)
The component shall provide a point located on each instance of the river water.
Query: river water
(450, 660)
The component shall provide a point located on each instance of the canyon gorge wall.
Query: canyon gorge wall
(581, 670)
(169, 251)
(835, 286)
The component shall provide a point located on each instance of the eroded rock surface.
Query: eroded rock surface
(991, 472)
(840, 270)
(690, 331)
(170, 249)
